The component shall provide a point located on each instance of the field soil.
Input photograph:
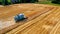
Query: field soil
(42, 19)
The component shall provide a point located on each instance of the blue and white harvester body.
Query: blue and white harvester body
(19, 17)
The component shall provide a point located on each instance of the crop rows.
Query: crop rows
(41, 19)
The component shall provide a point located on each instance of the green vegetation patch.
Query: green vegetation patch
(47, 2)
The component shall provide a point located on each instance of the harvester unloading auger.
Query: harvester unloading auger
(8, 2)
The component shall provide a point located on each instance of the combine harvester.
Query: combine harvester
(19, 17)
(8, 2)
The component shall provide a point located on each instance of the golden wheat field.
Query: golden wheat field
(42, 19)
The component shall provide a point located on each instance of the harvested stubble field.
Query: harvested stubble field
(42, 19)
